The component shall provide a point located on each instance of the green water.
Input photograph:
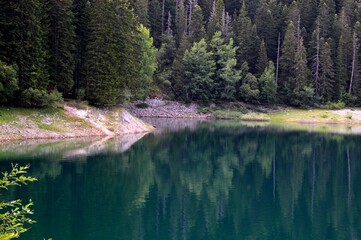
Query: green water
(198, 181)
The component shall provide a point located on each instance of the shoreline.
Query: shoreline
(70, 122)
(81, 121)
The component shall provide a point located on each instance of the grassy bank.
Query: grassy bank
(291, 115)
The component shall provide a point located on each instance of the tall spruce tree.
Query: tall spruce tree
(141, 10)
(102, 58)
(327, 73)
(246, 39)
(81, 19)
(165, 58)
(196, 26)
(287, 62)
(61, 42)
(301, 77)
(148, 62)
(266, 27)
(267, 84)
(24, 42)
(215, 19)
(344, 56)
(155, 21)
(226, 75)
(179, 69)
(180, 22)
(112, 62)
(199, 66)
(262, 60)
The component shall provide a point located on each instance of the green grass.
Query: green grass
(227, 114)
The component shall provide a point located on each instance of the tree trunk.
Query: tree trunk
(354, 49)
(278, 57)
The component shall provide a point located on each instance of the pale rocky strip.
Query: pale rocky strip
(74, 122)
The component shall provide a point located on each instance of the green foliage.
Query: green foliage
(14, 214)
(180, 22)
(334, 105)
(39, 98)
(196, 26)
(24, 37)
(246, 39)
(148, 62)
(199, 71)
(226, 75)
(216, 17)
(326, 72)
(61, 43)
(165, 57)
(8, 82)
(262, 61)
(267, 84)
(249, 89)
(301, 77)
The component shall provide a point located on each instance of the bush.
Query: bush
(142, 105)
(39, 98)
(335, 106)
(8, 82)
(349, 99)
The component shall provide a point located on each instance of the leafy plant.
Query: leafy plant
(14, 214)
(39, 98)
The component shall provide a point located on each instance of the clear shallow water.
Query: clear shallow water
(194, 180)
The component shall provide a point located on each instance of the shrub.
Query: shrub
(8, 82)
(39, 98)
(142, 105)
(335, 106)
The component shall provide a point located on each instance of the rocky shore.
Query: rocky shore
(161, 108)
(69, 122)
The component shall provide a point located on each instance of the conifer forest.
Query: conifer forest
(298, 53)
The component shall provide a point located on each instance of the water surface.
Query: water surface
(191, 180)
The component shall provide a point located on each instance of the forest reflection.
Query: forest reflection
(206, 182)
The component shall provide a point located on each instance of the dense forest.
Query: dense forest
(297, 53)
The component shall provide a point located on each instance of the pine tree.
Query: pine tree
(61, 42)
(287, 61)
(127, 44)
(301, 77)
(141, 10)
(155, 21)
(179, 69)
(326, 14)
(246, 39)
(102, 62)
(180, 22)
(196, 26)
(112, 57)
(81, 19)
(266, 28)
(148, 62)
(226, 75)
(249, 89)
(267, 84)
(344, 56)
(199, 66)
(326, 72)
(165, 58)
(24, 39)
(262, 60)
(215, 19)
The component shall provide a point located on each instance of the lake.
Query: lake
(194, 180)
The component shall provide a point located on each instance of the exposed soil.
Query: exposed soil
(73, 122)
